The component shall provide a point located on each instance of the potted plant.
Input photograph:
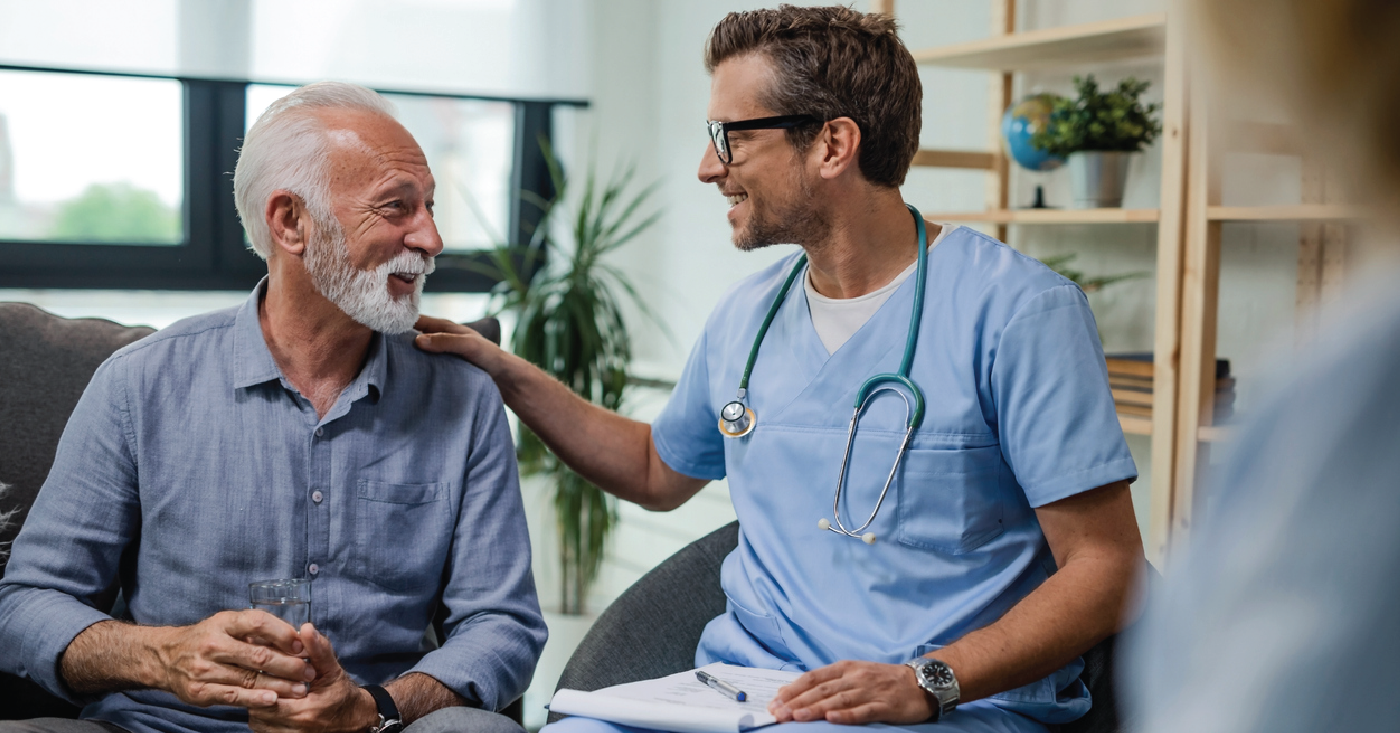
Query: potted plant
(1098, 132)
(569, 322)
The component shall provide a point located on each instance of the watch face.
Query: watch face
(940, 675)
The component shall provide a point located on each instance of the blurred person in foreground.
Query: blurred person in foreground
(297, 435)
(1281, 616)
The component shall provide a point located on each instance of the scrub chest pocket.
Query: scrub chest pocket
(385, 514)
(950, 499)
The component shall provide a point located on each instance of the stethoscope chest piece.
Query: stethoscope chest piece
(736, 420)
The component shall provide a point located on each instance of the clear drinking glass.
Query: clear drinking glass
(286, 598)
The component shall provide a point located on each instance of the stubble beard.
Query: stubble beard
(795, 220)
(364, 294)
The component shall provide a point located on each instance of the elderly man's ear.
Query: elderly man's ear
(288, 222)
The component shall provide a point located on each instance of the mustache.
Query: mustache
(408, 263)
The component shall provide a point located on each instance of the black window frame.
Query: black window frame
(214, 255)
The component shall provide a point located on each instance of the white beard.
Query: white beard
(364, 294)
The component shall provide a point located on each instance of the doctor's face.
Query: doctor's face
(770, 197)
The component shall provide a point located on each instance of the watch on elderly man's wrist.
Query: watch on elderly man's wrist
(389, 719)
(936, 679)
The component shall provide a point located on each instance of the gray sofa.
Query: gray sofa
(652, 630)
(45, 363)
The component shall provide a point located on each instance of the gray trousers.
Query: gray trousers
(446, 720)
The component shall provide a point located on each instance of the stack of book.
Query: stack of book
(1130, 378)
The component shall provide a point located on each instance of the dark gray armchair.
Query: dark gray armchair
(652, 630)
(46, 362)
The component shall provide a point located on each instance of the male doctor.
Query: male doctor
(1005, 544)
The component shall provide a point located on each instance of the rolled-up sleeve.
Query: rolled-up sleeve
(494, 628)
(63, 572)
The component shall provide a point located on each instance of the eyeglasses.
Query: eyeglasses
(719, 131)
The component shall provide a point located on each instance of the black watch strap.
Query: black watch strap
(389, 720)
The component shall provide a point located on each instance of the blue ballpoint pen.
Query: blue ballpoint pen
(720, 685)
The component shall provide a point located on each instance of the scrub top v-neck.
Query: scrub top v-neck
(1019, 415)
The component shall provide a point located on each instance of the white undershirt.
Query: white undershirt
(838, 319)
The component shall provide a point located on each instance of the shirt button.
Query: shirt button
(316, 496)
(320, 432)
(313, 568)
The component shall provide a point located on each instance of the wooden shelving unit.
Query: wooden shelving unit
(1008, 51)
(1111, 40)
(1189, 219)
(1299, 212)
(1051, 216)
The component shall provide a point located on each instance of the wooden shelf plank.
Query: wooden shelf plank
(1134, 425)
(966, 159)
(1107, 40)
(1300, 212)
(1215, 433)
(1050, 216)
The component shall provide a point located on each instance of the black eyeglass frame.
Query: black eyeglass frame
(719, 131)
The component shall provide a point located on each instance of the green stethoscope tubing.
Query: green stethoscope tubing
(916, 415)
(737, 419)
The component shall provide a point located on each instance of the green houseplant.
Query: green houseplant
(569, 322)
(1099, 131)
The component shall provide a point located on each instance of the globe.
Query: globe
(1023, 119)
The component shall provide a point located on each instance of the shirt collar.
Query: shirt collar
(255, 365)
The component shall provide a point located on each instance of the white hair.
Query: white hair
(287, 149)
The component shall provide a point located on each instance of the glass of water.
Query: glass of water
(287, 598)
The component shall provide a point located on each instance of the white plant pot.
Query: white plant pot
(1097, 178)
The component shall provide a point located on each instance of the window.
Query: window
(64, 179)
(124, 181)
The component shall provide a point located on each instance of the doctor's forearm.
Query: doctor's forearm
(1098, 551)
(1073, 610)
(608, 449)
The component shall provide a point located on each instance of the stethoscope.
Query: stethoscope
(737, 419)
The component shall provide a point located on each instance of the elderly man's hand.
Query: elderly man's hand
(335, 704)
(446, 337)
(853, 693)
(244, 658)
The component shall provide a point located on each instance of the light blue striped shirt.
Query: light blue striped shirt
(192, 467)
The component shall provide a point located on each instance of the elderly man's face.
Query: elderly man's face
(373, 262)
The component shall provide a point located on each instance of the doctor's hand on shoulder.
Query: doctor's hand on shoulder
(439, 335)
(853, 693)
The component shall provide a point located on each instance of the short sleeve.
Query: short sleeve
(1059, 432)
(686, 434)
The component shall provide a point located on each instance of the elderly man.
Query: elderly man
(297, 435)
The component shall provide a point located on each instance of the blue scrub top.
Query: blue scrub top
(1019, 415)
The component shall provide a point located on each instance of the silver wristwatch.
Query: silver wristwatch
(936, 679)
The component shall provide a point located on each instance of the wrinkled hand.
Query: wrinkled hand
(334, 704)
(215, 662)
(440, 335)
(853, 693)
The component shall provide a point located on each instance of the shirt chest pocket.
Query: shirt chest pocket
(402, 533)
(949, 499)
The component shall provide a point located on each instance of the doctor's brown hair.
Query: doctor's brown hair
(829, 63)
